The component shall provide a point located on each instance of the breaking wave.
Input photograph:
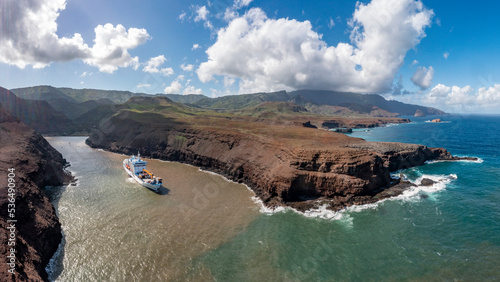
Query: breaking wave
(417, 192)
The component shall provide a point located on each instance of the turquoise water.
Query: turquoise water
(449, 232)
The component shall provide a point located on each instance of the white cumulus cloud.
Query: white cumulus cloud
(29, 37)
(274, 54)
(238, 4)
(153, 66)
(174, 88)
(463, 99)
(167, 71)
(228, 81)
(196, 46)
(423, 77)
(110, 50)
(201, 14)
(187, 67)
(231, 12)
(192, 90)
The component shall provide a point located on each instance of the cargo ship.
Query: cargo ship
(136, 168)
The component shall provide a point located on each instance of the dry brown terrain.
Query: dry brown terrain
(284, 159)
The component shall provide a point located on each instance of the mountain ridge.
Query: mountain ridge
(316, 101)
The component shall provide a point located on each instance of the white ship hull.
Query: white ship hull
(153, 187)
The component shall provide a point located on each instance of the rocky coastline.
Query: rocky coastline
(279, 164)
(38, 231)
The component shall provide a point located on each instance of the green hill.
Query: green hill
(332, 98)
(273, 110)
(185, 99)
(356, 103)
(42, 93)
(237, 102)
(39, 115)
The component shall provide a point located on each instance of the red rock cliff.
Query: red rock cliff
(284, 164)
(36, 165)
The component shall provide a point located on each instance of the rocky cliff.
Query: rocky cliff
(38, 231)
(284, 163)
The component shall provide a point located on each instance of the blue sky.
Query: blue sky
(436, 53)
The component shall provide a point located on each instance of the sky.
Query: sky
(435, 53)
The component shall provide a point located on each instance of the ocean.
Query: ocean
(205, 228)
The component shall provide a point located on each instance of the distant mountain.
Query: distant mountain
(273, 110)
(311, 99)
(83, 95)
(6, 116)
(39, 115)
(57, 96)
(61, 101)
(53, 110)
(75, 110)
(322, 102)
(185, 99)
(320, 97)
(95, 117)
(47, 93)
(237, 102)
(42, 93)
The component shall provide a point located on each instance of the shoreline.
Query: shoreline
(37, 165)
(343, 169)
(321, 209)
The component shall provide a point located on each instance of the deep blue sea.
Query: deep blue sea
(450, 231)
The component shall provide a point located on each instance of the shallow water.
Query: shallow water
(117, 230)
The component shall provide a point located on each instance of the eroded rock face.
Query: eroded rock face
(36, 165)
(282, 170)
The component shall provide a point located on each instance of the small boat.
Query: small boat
(136, 168)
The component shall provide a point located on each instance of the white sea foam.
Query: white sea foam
(478, 161)
(323, 212)
(391, 124)
(440, 183)
(55, 263)
(265, 209)
(262, 207)
(411, 194)
(76, 178)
